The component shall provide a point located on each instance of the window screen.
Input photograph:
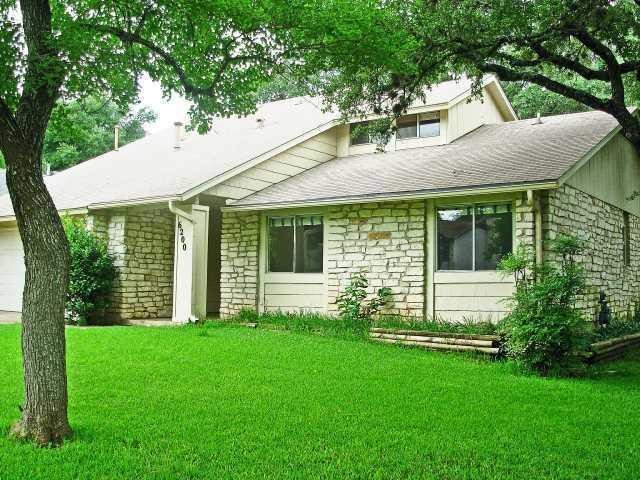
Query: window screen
(296, 244)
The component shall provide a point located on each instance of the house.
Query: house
(277, 210)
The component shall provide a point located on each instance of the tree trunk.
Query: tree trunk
(44, 413)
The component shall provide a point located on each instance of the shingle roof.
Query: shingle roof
(509, 153)
(151, 168)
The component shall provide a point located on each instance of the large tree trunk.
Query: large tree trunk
(44, 413)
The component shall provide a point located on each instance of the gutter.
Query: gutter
(425, 194)
(179, 212)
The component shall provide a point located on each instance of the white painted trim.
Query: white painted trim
(71, 211)
(385, 197)
(290, 277)
(430, 257)
(212, 182)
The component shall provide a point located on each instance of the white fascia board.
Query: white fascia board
(132, 203)
(520, 187)
(70, 211)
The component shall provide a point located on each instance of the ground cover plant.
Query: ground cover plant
(224, 401)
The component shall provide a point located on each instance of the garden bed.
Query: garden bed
(446, 341)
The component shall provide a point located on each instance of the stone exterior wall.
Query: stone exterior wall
(142, 244)
(600, 225)
(239, 262)
(386, 240)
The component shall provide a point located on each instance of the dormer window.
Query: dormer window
(423, 125)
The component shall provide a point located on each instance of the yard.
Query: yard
(223, 401)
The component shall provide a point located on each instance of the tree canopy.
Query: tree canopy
(84, 128)
(383, 57)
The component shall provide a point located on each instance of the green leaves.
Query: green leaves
(91, 275)
(83, 129)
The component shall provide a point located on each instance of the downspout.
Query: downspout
(179, 212)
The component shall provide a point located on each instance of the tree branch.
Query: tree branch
(609, 58)
(190, 88)
(581, 96)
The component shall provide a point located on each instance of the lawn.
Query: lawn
(224, 401)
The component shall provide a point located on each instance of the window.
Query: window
(424, 125)
(474, 237)
(429, 125)
(362, 136)
(295, 244)
(407, 127)
(626, 237)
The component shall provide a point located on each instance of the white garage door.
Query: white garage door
(11, 270)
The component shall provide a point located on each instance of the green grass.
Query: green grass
(231, 402)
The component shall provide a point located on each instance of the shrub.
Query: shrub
(544, 331)
(91, 274)
(353, 303)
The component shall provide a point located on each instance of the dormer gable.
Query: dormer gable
(449, 112)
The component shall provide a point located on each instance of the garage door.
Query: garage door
(11, 270)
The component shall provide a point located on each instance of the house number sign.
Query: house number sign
(182, 239)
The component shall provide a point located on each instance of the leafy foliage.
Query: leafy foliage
(469, 325)
(353, 303)
(83, 129)
(382, 59)
(91, 275)
(301, 322)
(544, 331)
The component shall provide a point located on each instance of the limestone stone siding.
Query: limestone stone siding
(600, 226)
(386, 240)
(142, 244)
(239, 262)
(525, 223)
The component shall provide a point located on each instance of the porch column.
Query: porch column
(190, 262)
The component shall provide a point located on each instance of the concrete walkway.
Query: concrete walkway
(9, 317)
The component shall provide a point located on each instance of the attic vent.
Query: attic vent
(259, 122)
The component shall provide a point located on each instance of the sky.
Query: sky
(174, 110)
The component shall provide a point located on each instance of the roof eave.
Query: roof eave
(417, 195)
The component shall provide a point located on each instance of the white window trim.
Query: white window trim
(473, 225)
(293, 215)
(419, 116)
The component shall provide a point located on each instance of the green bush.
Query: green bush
(91, 275)
(353, 303)
(544, 331)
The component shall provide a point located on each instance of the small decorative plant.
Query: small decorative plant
(544, 331)
(353, 303)
(91, 275)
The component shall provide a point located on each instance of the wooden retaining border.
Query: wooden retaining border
(613, 348)
(457, 342)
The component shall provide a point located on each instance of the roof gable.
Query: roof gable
(514, 153)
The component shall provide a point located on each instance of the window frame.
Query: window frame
(267, 242)
(473, 205)
(419, 117)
